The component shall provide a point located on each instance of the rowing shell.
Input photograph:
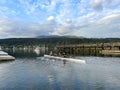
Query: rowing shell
(68, 59)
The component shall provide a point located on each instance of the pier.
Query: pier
(101, 48)
(5, 57)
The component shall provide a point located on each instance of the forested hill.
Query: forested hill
(56, 40)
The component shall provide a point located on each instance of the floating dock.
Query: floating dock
(5, 57)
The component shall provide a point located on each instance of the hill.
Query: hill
(56, 40)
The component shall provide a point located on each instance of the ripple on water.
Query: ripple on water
(48, 74)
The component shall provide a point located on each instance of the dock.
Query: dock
(95, 49)
(5, 57)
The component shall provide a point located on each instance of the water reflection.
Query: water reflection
(64, 62)
(47, 74)
(38, 51)
(25, 53)
(31, 71)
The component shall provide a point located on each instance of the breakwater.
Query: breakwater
(91, 49)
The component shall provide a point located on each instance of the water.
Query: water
(39, 73)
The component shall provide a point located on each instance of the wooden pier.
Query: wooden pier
(101, 48)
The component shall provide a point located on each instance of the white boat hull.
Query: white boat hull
(5, 57)
(67, 59)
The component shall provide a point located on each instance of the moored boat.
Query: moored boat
(5, 57)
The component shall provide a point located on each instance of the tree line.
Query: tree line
(55, 41)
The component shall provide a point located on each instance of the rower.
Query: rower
(51, 53)
(64, 55)
(59, 54)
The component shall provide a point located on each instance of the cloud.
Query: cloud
(107, 26)
(50, 18)
(6, 12)
(28, 6)
(17, 28)
(63, 29)
(88, 18)
(97, 5)
(112, 3)
(66, 9)
(113, 18)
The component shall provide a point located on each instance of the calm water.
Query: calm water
(39, 73)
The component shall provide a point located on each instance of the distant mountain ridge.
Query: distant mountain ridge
(56, 36)
(55, 40)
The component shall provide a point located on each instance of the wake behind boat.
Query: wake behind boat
(68, 59)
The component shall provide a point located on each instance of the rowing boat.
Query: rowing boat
(67, 59)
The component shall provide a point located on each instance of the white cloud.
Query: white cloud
(63, 29)
(50, 18)
(113, 18)
(52, 5)
(69, 9)
(12, 28)
(60, 17)
(107, 26)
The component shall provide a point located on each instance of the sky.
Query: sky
(86, 18)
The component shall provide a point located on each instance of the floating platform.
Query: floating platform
(5, 57)
(67, 59)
